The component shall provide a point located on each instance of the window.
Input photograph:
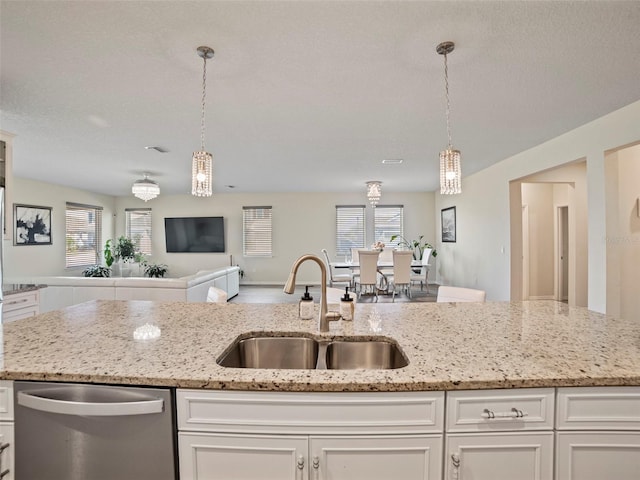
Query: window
(83, 235)
(138, 228)
(349, 228)
(388, 221)
(256, 231)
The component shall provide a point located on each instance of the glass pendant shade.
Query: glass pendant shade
(145, 189)
(201, 174)
(374, 192)
(450, 172)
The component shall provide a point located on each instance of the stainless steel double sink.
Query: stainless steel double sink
(298, 351)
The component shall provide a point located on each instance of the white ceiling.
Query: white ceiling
(301, 96)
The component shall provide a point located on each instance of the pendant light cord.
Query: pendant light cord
(204, 92)
(446, 89)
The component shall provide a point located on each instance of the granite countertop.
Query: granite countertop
(12, 288)
(449, 346)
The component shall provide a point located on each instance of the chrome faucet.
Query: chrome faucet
(290, 286)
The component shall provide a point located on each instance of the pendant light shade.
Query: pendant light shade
(374, 192)
(202, 162)
(145, 189)
(450, 170)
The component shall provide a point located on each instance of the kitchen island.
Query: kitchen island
(522, 390)
(454, 346)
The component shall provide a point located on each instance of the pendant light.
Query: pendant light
(450, 172)
(202, 168)
(374, 192)
(145, 189)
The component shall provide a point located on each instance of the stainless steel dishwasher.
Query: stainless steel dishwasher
(67, 431)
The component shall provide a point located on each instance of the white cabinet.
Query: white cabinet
(319, 436)
(20, 305)
(500, 434)
(382, 457)
(598, 433)
(209, 456)
(7, 448)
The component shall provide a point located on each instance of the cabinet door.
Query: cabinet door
(7, 449)
(416, 457)
(208, 456)
(506, 456)
(598, 456)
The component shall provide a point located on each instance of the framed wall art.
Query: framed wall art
(448, 224)
(32, 225)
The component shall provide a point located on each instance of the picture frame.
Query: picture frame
(448, 224)
(32, 225)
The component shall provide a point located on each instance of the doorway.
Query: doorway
(562, 255)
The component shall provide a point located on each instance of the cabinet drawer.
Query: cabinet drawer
(20, 314)
(6, 400)
(500, 410)
(19, 301)
(599, 408)
(292, 412)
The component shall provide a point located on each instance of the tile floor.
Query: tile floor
(274, 294)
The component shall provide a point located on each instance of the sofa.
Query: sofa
(65, 291)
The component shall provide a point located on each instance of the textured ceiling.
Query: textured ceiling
(301, 96)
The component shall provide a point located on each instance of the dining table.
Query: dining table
(383, 269)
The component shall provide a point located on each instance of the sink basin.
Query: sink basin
(368, 354)
(299, 352)
(272, 352)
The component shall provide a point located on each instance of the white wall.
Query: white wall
(302, 223)
(483, 212)
(623, 232)
(24, 261)
(539, 199)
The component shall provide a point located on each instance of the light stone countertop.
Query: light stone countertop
(449, 346)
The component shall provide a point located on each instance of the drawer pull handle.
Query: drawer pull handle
(4, 473)
(3, 447)
(514, 413)
(16, 302)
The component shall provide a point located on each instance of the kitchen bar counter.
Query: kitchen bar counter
(449, 346)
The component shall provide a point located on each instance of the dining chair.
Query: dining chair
(459, 294)
(422, 275)
(355, 260)
(336, 277)
(368, 260)
(402, 272)
(216, 295)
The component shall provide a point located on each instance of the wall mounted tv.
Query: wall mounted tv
(194, 234)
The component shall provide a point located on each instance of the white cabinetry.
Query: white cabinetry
(281, 435)
(7, 448)
(598, 433)
(500, 434)
(20, 305)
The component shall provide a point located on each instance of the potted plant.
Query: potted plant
(97, 271)
(417, 246)
(125, 249)
(108, 255)
(155, 270)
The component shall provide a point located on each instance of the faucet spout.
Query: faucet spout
(325, 316)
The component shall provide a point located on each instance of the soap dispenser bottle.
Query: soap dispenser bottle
(346, 305)
(305, 307)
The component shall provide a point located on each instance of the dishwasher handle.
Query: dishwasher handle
(95, 409)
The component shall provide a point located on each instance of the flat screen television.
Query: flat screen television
(194, 234)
